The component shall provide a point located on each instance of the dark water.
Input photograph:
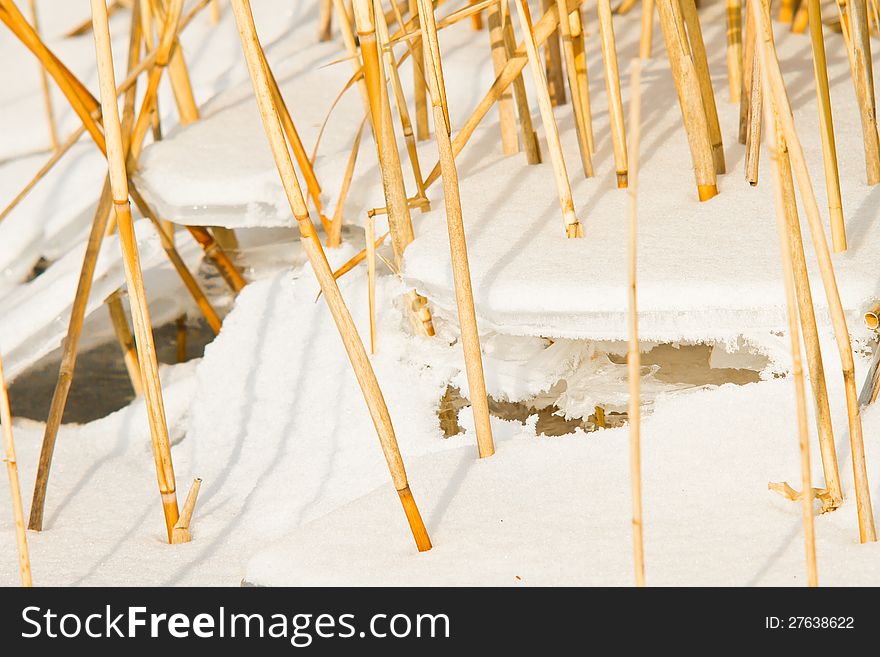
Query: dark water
(100, 381)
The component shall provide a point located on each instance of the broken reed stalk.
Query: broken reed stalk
(701, 65)
(826, 127)
(863, 79)
(215, 12)
(464, 298)
(399, 220)
(24, 560)
(506, 110)
(633, 356)
(348, 332)
(553, 63)
(573, 227)
(44, 84)
(125, 340)
(734, 49)
(690, 98)
(612, 88)
(574, 85)
(788, 274)
(770, 69)
(134, 279)
(646, 37)
(809, 330)
(181, 532)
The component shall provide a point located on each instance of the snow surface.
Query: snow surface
(295, 487)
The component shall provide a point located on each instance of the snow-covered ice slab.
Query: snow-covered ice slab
(556, 511)
(36, 314)
(705, 270)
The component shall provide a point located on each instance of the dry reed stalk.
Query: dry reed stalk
(809, 331)
(180, 325)
(167, 37)
(399, 220)
(826, 127)
(528, 136)
(215, 14)
(612, 87)
(44, 83)
(633, 355)
(68, 357)
(701, 65)
(625, 7)
(125, 340)
(506, 110)
(134, 279)
(325, 21)
(357, 259)
(553, 63)
(576, 28)
(391, 65)
(334, 234)
(786, 11)
(734, 49)
(801, 18)
(748, 54)
(100, 228)
(574, 85)
(370, 230)
(756, 121)
(476, 19)
(690, 98)
(302, 159)
(464, 298)
(423, 132)
(348, 332)
(783, 209)
(646, 37)
(512, 70)
(573, 227)
(774, 82)
(863, 79)
(351, 47)
(24, 560)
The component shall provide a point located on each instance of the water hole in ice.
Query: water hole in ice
(666, 368)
